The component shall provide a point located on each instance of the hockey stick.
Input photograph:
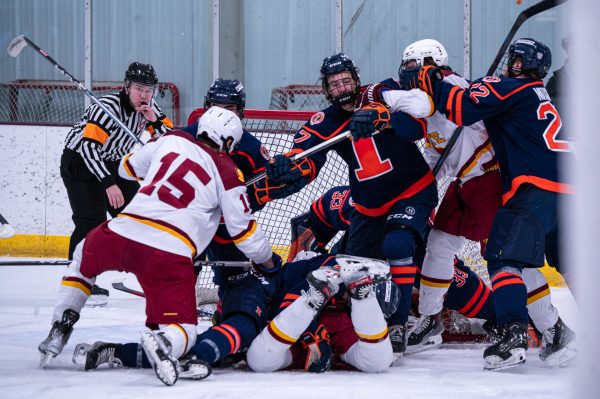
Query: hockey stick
(535, 9)
(304, 154)
(6, 230)
(20, 42)
(41, 262)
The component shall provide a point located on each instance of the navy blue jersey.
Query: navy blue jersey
(384, 168)
(332, 213)
(523, 124)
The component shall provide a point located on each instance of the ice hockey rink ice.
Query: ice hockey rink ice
(27, 295)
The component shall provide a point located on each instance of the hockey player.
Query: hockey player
(467, 294)
(94, 148)
(188, 184)
(393, 188)
(525, 132)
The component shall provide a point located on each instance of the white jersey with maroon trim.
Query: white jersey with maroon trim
(472, 154)
(186, 187)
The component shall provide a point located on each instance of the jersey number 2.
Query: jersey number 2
(553, 128)
(369, 160)
(176, 180)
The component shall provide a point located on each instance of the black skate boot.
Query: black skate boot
(397, 334)
(58, 337)
(98, 297)
(509, 351)
(158, 350)
(426, 334)
(190, 367)
(97, 354)
(558, 344)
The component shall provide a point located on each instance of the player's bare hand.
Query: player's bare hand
(148, 112)
(115, 196)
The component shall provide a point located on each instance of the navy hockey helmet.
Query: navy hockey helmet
(388, 296)
(536, 57)
(335, 64)
(226, 91)
(141, 73)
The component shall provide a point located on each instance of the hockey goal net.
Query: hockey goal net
(276, 129)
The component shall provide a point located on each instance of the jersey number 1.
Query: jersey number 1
(369, 160)
(177, 180)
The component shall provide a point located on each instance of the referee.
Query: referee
(96, 144)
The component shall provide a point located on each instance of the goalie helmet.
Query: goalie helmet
(388, 296)
(226, 91)
(536, 57)
(337, 63)
(141, 73)
(425, 50)
(222, 127)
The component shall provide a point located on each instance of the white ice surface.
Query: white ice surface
(26, 300)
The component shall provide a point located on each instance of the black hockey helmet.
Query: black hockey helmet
(141, 73)
(536, 57)
(337, 63)
(388, 296)
(226, 91)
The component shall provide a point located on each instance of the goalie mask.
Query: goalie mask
(226, 91)
(421, 53)
(143, 74)
(335, 64)
(222, 127)
(535, 56)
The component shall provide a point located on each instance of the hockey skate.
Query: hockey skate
(192, 368)
(97, 354)
(98, 297)
(509, 351)
(158, 350)
(373, 268)
(58, 337)
(426, 334)
(323, 283)
(397, 334)
(360, 284)
(558, 344)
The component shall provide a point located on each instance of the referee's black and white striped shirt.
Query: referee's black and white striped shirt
(97, 138)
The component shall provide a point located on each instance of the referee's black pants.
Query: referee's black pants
(87, 196)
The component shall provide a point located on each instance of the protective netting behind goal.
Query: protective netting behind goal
(57, 102)
(298, 98)
(276, 130)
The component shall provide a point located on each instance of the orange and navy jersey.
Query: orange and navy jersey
(523, 125)
(331, 213)
(384, 168)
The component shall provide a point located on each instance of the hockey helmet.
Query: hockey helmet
(536, 57)
(226, 91)
(222, 127)
(388, 296)
(141, 73)
(337, 63)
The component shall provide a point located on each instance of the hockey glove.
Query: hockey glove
(428, 76)
(372, 94)
(409, 78)
(318, 350)
(280, 169)
(369, 119)
(277, 264)
(265, 190)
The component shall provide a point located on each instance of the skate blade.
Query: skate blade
(97, 301)
(45, 359)
(80, 353)
(494, 363)
(429, 343)
(397, 359)
(563, 357)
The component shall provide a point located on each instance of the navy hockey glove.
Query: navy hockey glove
(265, 190)
(280, 169)
(277, 264)
(369, 119)
(372, 94)
(428, 76)
(318, 350)
(409, 78)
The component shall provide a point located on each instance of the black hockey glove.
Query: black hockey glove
(318, 350)
(428, 76)
(280, 170)
(369, 119)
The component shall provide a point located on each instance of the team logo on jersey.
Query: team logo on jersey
(239, 174)
(264, 152)
(410, 210)
(491, 79)
(317, 118)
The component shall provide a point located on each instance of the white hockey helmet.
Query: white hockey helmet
(426, 48)
(220, 126)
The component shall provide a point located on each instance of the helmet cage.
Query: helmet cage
(335, 64)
